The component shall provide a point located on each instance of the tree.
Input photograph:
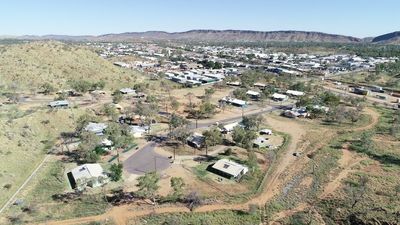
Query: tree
(207, 109)
(252, 122)
(176, 121)
(117, 97)
(356, 192)
(83, 120)
(110, 111)
(119, 135)
(149, 111)
(180, 134)
(177, 185)
(82, 86)
(190, 97)
(212, 137)
(252, 160)
(89, 141)
(240, 93)
(193, 200)
(148, 185)
(47, 88)
(353, 115)
(174, 104)
(330, 99)
(208, 92)
(242, 137)
(116, 171)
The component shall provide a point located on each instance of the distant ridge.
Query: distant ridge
(209, 35)
(226, 35)
(390, 38)
(234, 35)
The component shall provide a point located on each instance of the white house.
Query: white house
(295, 93)
(279, 97)
(253, 94)
(229, 169)
(91, 175)
(97, 128)
(138, 131)
(127, 91)
(234, 101)
(229, 127)
(59, 104)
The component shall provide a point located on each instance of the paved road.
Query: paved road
(147, 160)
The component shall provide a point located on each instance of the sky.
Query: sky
(359, 18)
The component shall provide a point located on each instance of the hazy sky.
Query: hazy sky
(360, 18)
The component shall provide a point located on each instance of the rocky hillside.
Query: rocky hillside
(390, 38)
(32, 64)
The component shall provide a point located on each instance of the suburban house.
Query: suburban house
(295, 93)
(253, 94)
(196, 140)
(127, 91)
(296, 112)
(279, 97)
(260, 142)
(87, 175)
(233, 83)
(228, 127)
(138, 131)
(260, 85)
(234, 101)
(59, 104)
(107, 144)
(229, 169)
(96, 128)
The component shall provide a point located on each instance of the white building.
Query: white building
(229, 169)
(91, 175)
(279, 97)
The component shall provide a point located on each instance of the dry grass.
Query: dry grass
(25, 141)
(28, 66)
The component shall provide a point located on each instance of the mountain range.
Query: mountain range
(225, 35)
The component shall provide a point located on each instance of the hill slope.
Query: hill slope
(390, 38)
(30, 65)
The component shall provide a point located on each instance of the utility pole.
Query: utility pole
(155, 164)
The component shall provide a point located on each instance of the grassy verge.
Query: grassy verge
(212, 218)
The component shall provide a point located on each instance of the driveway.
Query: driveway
(146, 160)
